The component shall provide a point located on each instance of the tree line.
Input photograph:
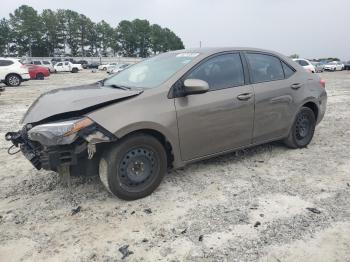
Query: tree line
(296, 56)
(68, 33)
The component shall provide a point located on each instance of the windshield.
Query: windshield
(152, 72)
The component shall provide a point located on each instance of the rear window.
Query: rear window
(6, 62)
(302, 62)
(288, 71)
(264, 67)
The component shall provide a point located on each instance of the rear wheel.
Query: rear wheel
(74, 70)
(40, 76)
(13, 80)
(134, 167)
(302, 130)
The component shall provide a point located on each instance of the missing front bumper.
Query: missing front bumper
(81, 156)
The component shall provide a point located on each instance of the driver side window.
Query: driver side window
(222, 71)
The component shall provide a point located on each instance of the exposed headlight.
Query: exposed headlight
(58, 133)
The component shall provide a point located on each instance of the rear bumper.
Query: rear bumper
(322, 107)
(25, 77)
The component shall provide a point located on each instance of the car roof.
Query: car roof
(11, 59)
(213, 50)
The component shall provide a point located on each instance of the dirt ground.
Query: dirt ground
(251, 205)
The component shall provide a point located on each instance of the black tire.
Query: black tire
(105, 69)
(302, 130)
(75, 70)
(134, 167)
(40, 76)
(13, 80)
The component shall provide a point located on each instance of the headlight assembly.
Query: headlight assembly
(58, 133)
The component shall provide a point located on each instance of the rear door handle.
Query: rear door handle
(245, 96)
(296, 86)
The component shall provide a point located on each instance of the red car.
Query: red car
(38, 72)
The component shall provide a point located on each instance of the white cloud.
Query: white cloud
(311, 28)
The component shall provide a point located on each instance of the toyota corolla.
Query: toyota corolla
(168, 111)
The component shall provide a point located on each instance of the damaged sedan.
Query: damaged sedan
(168, 111)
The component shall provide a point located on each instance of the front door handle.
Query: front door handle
(296, 86)
(245, 96)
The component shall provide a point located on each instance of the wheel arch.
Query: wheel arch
(309, 103)
(161, 138)
(168, 140)
(313, 106)
(9, 74)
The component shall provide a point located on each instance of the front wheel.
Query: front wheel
(134, 167)
(13, 80)
(302, 130)
(75, 70)
(40, 76)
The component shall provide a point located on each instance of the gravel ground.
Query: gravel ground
(252, 205)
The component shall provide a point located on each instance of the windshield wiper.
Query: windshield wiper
(120, 87)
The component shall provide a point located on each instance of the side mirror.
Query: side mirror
(195, 86)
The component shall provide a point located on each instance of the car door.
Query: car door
(339, 67)
(59, 67)
(5, 68)
(67, 66)
(2, 70)
(222, 118)
(275, 89)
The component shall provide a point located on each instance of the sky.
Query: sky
(310, 28)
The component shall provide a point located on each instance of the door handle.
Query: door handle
(296, 86)
(245, 96)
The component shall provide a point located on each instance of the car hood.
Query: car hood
(73, 101)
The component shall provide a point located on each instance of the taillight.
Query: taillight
(323, 83)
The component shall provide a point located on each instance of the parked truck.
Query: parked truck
(67, 66)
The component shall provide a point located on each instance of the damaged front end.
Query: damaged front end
(69, 145)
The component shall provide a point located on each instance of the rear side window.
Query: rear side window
(37, 63)
(288, 71)
(302, 62)
(46, 62)
(59, 64)
(6, 62)
(264, 67)
(220, 72)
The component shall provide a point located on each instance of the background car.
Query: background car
(347, 65)
(93, 65)
(319, 67)
(38, 72)
(56, 60)
(105, 67)
(44, 63)
(13, 72)
(118, 68)
(334, 66)
(306, 64)
(67, 66)
(83, 63)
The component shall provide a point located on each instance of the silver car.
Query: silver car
(169, 111)
(44, 63)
